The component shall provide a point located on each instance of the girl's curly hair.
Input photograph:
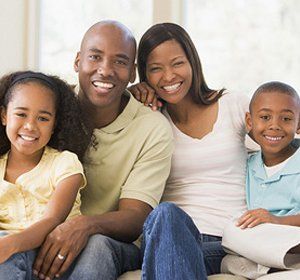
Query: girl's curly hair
(69, 132)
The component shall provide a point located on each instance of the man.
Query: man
(126, 167)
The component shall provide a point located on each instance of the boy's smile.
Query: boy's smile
(273, 121)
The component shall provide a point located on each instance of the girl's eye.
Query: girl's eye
(43, 119)
(21, 115)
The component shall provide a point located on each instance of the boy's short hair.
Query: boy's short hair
(275, 86)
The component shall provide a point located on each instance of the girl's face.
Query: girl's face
(169, 72)
(29, 118)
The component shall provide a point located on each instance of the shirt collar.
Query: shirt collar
(292, 166)
(125, 117)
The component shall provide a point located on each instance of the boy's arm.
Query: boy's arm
(58, 208)
(252, 218)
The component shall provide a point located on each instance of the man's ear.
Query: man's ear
(3, 115)
(133, 74)
(248, 121)
(298, 129)
(76, 62)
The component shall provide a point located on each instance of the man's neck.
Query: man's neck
(98, 117)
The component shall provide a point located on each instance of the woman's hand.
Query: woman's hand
(146, 94)
(252, 218)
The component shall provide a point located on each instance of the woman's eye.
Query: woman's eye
(154, 69)
(178, 63)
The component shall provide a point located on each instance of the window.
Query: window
(243, 44)
(63, 23)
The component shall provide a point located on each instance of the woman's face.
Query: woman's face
(169, 72)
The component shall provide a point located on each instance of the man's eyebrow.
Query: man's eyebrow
(119, 55)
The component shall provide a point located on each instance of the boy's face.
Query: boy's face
(273, 121)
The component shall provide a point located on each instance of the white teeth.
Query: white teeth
(27, 138)
(273, 138)
(172, 87)
(103, 85)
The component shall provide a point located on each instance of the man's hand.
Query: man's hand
(60, 248)
(252, 218)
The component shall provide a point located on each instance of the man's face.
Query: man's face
(105, 65)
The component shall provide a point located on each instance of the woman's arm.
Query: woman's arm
(57, 211)
(146, 94)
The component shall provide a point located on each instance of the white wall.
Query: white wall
(13, 40)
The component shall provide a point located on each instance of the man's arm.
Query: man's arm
(140, 193)
(69, 238)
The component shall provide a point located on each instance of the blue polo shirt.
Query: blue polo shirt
(280, 193)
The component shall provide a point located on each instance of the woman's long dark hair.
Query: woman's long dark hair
(159, 33)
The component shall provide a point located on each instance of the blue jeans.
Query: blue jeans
(103, 258)
(173, 247)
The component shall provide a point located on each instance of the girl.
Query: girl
(39, 179)
(207, 178)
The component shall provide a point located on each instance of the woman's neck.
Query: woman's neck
(184, 111)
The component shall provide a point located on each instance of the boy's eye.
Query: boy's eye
(265, 117)
(286, 119)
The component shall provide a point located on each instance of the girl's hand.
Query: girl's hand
(6, 249)
(252, 218)
(146, 94)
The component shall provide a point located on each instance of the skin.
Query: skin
(29, 121)
(167, 65)
(273, 121)
(105, 65)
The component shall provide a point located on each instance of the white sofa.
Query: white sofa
(285, 275)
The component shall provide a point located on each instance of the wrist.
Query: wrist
(14, 243)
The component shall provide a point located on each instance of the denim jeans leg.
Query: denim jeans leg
(18, 266)
(171, 246)
(213, 253)
(104, 258)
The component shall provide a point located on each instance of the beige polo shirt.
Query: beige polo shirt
(132, 160)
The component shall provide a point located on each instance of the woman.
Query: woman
(182, 239)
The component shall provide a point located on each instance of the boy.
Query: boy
(273, 175)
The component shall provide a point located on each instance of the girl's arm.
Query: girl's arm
(57, 211)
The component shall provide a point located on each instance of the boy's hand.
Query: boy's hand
(252, 218)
